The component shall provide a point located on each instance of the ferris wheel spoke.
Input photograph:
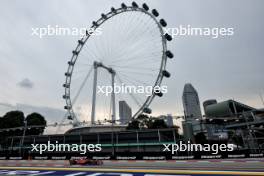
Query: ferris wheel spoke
(90, 54)
(82, 69)
(97, 48)
(126, 76)
(94, 55)
(132, 30)
(135, 75)
(84, 64)
(135, 97)
(140, 45)
(131, 67)
(82, 85)
(106, 46)
(135, 57)
(125, 28)
(132, 96)
(136, 50)
(149, 60)
(138, 72)
(130, 36)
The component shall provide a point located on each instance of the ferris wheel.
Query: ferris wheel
(124, 47)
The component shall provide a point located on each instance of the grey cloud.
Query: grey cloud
(26, 83)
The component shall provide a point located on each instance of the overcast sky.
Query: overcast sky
(32, 69)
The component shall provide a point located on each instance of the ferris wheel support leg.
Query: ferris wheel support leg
(113, 98)
(94, 94)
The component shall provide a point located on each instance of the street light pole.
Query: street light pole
(112, 138)
(23, 137)
(94, 93)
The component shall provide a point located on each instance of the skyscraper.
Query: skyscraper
(191, 105)
(169, 120)
(125, 112)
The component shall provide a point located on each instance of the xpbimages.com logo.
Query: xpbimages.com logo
(211, 32)
(49, 147)
(56, 30)
(131, 89)
(182, 147)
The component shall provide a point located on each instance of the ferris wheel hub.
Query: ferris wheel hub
(100, 64)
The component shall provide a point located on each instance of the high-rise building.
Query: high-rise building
(191, 105)
(169, 120)
(188, 131)
(125, 112)
(208, 102)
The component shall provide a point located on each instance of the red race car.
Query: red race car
(85, 161)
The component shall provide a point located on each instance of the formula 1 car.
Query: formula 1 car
(85, 161)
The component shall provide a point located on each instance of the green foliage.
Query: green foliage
(157, 124)
(145, 122)
(12, 119)
(133, 125)
(16, 119)
(143, 117)
(33, 120)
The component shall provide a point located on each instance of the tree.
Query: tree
(35, 119)
(145, 122)
(157, 124)
(143, 117)
(13, 119)
(133, 125)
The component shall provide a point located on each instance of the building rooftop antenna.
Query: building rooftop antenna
(261, 98)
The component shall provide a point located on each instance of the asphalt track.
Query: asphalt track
(224, 165)
(34, 171)
(145, 169)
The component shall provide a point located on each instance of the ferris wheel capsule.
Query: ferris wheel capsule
(145, 6)
(155, 12)
(134, 4)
